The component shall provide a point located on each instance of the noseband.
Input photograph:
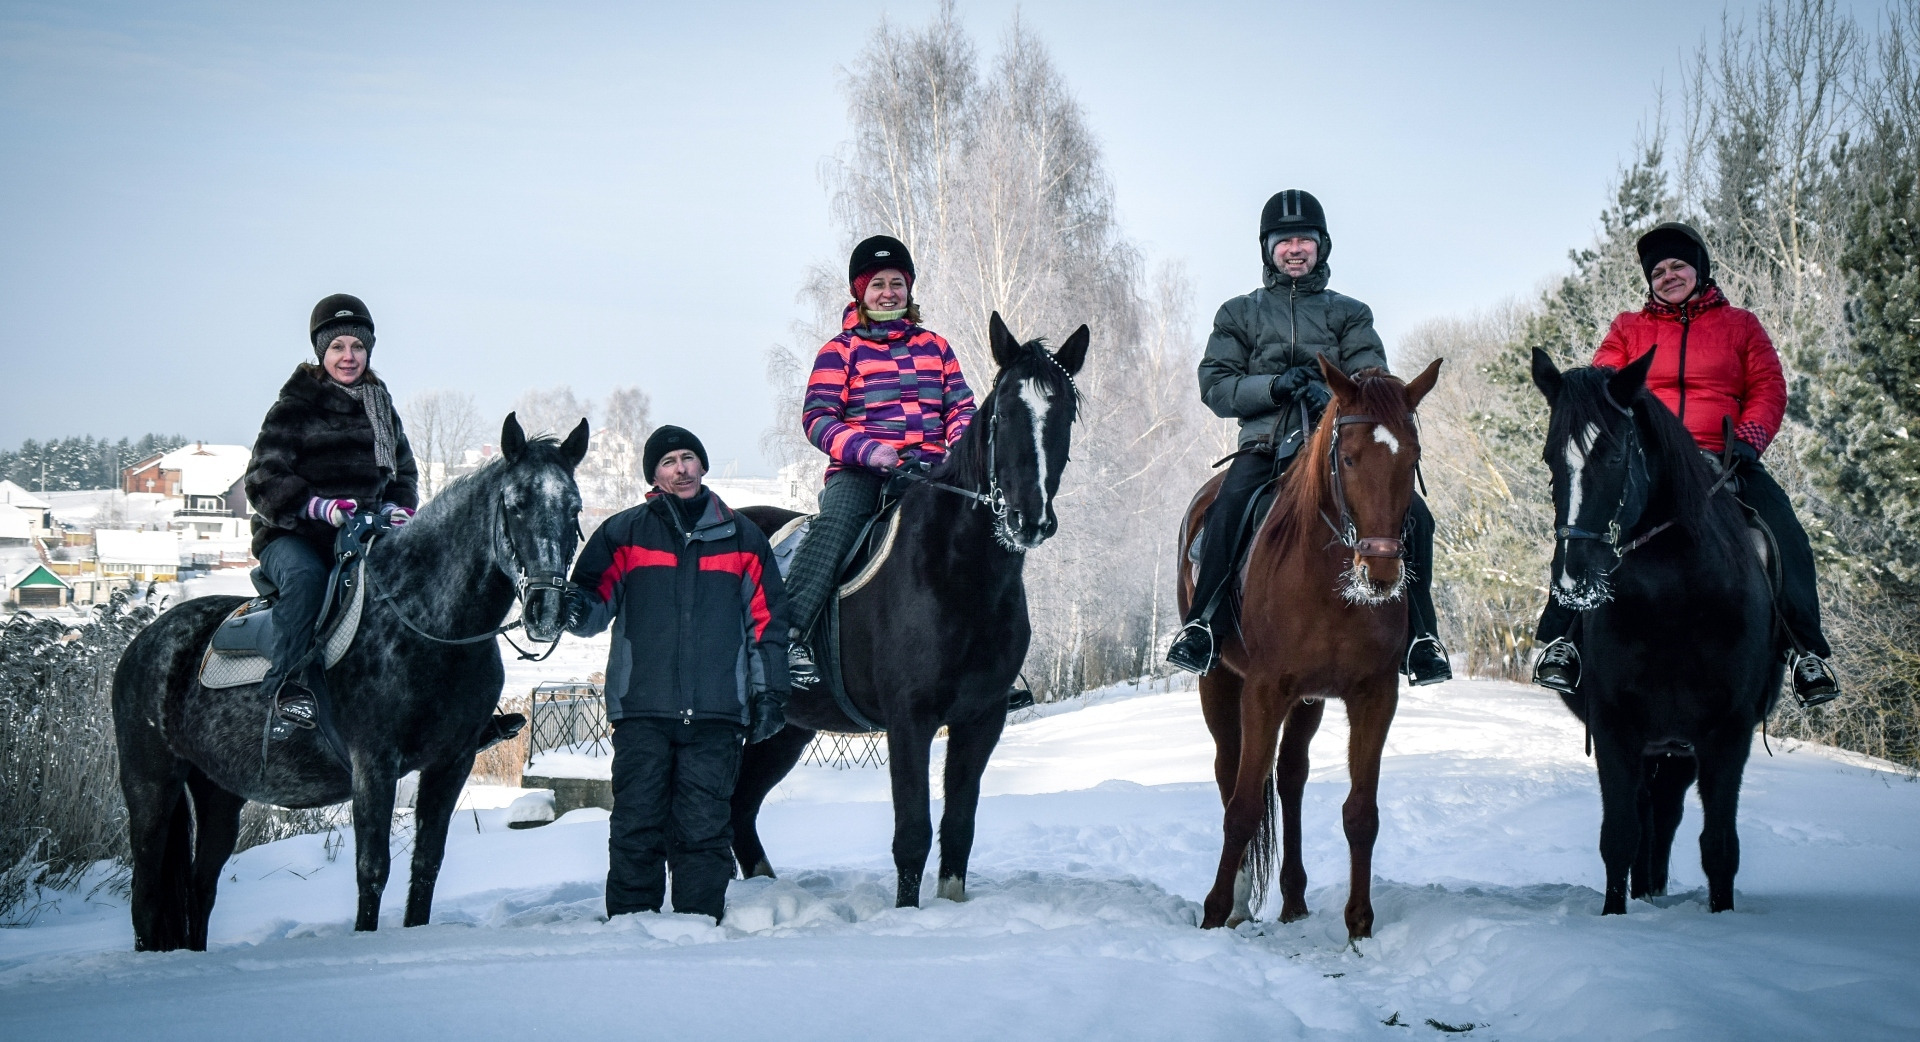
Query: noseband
(1344, 533)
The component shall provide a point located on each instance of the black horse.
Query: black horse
(190, 757)
(1677, 640)
(938, 635)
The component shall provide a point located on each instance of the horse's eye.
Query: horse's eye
(1346, 459)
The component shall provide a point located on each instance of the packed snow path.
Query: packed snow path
(1098, 837)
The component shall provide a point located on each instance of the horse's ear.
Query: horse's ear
(574, 449)
(1341, 384)
(513, 440)
(1626, 383)
(1423, 383)
(1546, 375)
(1000, 339)
(1073, 354)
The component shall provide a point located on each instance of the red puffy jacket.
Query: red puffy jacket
(1714, 361)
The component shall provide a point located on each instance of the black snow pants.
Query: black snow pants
(850, 498)
(1219, 552)
(1799, 594)
(299, 570)
(672, 808)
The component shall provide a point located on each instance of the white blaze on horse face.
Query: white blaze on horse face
(1385, 437)
(1577, 449)
(1038, 402)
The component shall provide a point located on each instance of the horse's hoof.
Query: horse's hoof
(762, 870)
(952, 889)
(1292, 915)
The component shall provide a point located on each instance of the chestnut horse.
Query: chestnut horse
(1320, 618)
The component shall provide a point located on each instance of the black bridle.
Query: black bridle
(1635, 491)
(525, 584)
(994, 498)
(1345, 533)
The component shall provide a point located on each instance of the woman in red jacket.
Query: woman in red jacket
(1716, 363)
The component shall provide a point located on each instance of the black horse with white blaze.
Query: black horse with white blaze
(404, 697)
(937, 636)
(1681, 661)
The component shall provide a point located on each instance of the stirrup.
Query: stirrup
(802, 670)
(292, 713)
(503, 727)
(1437, 671)
(1559, 667)
(1813, 681)
(1189, 653)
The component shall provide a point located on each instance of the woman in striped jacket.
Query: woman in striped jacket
(885, 392)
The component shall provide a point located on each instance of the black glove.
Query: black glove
(1743, 453)
(1288, 385)
(769, 712)
(1316, 395)
(579, 606)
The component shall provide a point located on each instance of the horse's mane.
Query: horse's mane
(966, 463)
(540, 450)
(1307, 488)
(1584, 399)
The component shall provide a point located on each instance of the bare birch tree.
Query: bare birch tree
(441, 427)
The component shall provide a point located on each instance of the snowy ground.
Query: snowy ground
(1096, 841)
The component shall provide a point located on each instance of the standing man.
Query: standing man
(698, 663)
(1261, 368)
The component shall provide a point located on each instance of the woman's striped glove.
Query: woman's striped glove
(333, 511)
(396, 515)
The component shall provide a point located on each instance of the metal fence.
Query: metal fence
(568, 715)
(572, 715)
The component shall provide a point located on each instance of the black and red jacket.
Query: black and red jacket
(1715, 361)
(698, 613)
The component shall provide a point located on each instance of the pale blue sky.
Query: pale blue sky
(599, 194)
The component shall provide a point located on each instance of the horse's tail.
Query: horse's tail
(1258, 864)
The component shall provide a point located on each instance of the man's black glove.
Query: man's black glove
(1316, 395)
(579, 606)
(1743, 453)
(1288, 385)
(769, 712)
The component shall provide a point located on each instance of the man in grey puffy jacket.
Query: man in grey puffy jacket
(1261, 367)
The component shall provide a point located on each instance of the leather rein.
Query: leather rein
(524, 585)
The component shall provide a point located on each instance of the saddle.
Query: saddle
(870, 550)
(240, 649)
(1255, 514)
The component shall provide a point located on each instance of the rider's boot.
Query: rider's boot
(1813, 681)
(802, 670)
(502, 728)
(1559, 667)
(1426, 662)
(1194, 649)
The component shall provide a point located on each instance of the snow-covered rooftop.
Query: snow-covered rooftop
(121, 546)
(207, 470)
(13, 495)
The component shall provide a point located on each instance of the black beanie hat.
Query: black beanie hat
(341, 313)
(667, 439)
(1293, 210)
(880, 251)
(1676, 241)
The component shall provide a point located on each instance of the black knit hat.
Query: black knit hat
(1674, 241)
(878, 252)
(667, 439)
(341, 313)
(1293, 210)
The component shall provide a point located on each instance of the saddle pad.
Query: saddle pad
(223, 669)
(786, 542)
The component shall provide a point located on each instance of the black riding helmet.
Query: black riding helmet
(1676, 241)
(877, 252)
(1292, 211)
(338, 314)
